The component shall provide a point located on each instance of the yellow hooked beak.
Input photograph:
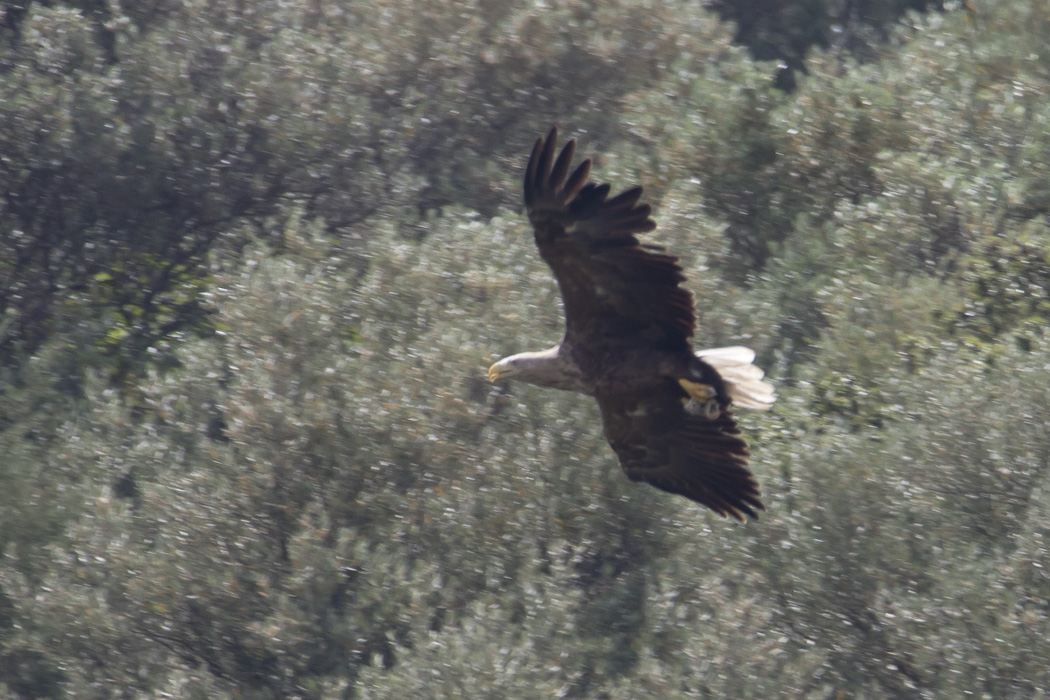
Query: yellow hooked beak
(494, 373)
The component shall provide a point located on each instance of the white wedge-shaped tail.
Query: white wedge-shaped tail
(743, 380)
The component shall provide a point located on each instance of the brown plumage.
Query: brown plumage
(628, 331)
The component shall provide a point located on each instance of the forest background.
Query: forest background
(256, 256)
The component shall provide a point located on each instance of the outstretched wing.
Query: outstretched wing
(681, 451)
(613, 288)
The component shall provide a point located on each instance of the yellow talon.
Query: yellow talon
(701, 392)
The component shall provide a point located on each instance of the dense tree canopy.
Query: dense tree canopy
(255, 258)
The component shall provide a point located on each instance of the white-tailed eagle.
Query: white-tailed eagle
(628, 341)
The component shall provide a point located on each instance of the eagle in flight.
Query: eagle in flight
(628, 341)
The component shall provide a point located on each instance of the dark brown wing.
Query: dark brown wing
(614, 289)
(661, 443)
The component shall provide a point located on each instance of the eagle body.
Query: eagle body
(628, 341)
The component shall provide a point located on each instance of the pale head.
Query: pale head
(544, 368)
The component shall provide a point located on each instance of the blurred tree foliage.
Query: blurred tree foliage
(254, 259)
(774, 30)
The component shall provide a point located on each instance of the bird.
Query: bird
(629, 325)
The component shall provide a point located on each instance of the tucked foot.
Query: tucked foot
(701, 392)
(702, 399)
